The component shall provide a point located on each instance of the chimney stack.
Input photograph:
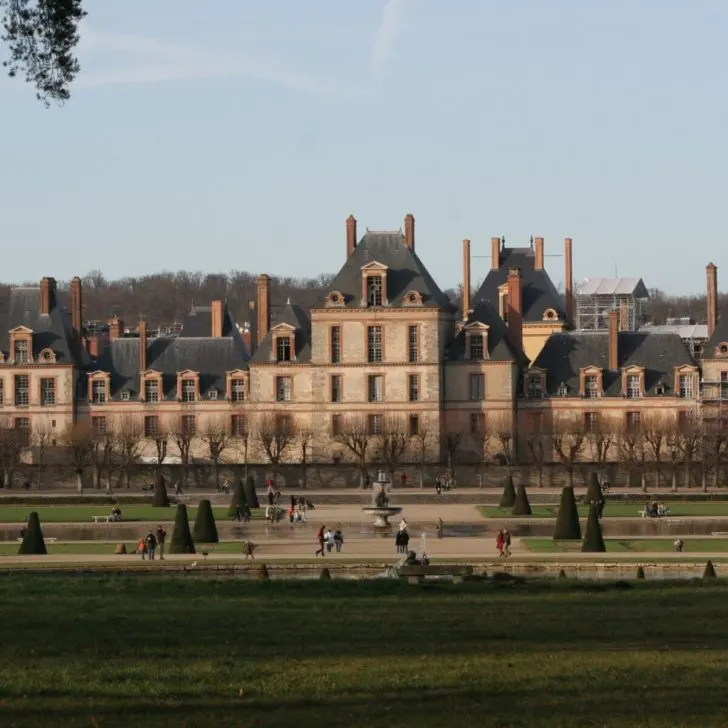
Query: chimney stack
(216, 316)
(76, 308)
(466, 278)
(116, 328)
(350, 236)
(538, 253)
(47, 295)
(515, 304)
(247, 338)
(409, 231)
(613, 340)
(142, 346)
(495, 246)
(712, 275)
(263, 306)
(568, 283)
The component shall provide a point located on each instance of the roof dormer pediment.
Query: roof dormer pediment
(476, 327)
(151, 373)
(237, 373)
(374, 266)
(188, 373)
(21, 330)
(283, 328)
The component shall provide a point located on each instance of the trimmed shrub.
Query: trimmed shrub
(205, 530)
(33, 542)
(509, 494)
(263, 574)
(120, 549)
(160, 499)
(640, 573)
(238, 499)
(562, 574)
(521, 506)
(593, 540)
(594, 490)
(325, 574)
(251, 497)
(567, 522)
(709, 572)
(181, 542)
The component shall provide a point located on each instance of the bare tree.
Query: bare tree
(536, 441)
(601, 437)
(241, 440)
(80, 442)
(11, 445)
(103, 457)
(276, 433)
(452, 442)
(503, 431)
(689, 436)
(655, 432)
(42, 438)
(393, 441)
(355, 436)
(305, 438)
(714, 448)
(481, 437)
(568, 439)
(161, 437)
(128, 437)
(633, 449)
(674, 450)
(421, 441)
(217, 436)
(184, 436)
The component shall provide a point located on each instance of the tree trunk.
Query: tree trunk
(40, 473)
(687, 474)
(79, 481)
(422, 473)
(674, 481)
(108, 481)
(704, 481)
(643, 479)
(540, 475)
(97, 476)
(216, 471)
(571, 475)
(657, 475)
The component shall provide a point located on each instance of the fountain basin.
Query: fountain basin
(382, 515)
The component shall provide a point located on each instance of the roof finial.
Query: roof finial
(503, 241)
(288, 301)
(531, 242)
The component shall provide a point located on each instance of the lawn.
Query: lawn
(629, 545)
(616, 510)
(109, 547)
(84, 514)
(124, 651)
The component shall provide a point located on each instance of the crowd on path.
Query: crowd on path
(149, 544)
(329, 540)
(503, 542)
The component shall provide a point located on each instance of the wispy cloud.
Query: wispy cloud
(384, 41)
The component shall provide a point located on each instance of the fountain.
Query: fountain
(380, 508)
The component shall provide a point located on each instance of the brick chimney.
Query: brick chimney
(142, 346)
(613, 340)
(76, 307)
(515, 305)
(247, 335)
(350, 236)
(263, 307)
(216, 316)
(712, 274)
(47, 295)
(466, 278)
(409, 231)
(116, 328)
(495, 246)
(93, 346)
(568, 283)
(538, 253)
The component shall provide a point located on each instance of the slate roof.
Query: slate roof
(406, 272)
(198, 322)
(613, 287)
(537, 290)
(499, 346)
(294, 316)
(684, 331)
(564, 354)
(720, 336)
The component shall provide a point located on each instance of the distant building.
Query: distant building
(694, 335)
(596, 297)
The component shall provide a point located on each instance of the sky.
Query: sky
(240, 134)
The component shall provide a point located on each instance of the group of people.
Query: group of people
(443, 482)
(655, 510)
(503, 542)
(149, 544)
(329, 540)
(115, 514)
(401, 540)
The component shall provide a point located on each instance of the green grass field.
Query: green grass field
(170, 652)
(633, 545)
(616, 510)
(108, 547)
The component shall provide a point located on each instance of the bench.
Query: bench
(417, 574)
(101, 519)
(52, 539)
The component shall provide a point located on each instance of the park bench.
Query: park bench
(101, 519)
(52, 539)
(417, 574)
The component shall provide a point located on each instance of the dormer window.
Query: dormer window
(98, 391)
(722, 349)
(550, 315)
(633, 383)
(188, 390)
(237, 390)
(374, 284)
(151, 390)
(236, 386)
(20, 351)
(590, 383)
(591, 386)
(375, 290)
(562, 391)
(476, 347)
(412, 298)
(534, 386)
(686, 389)
(47, 356)
(335, 298)
(188, 386)
(283, 348)
(21, 345)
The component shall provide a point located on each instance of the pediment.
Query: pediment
(188, 373)
(237, 373)
(591, 370)
(151, 373)
(21, 330)
(374, 266)
(476, 327)
(633, 369)
(283, 328)
(536, 370)
(687, 369)
(99, 375)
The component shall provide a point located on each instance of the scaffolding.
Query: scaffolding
(596, 297)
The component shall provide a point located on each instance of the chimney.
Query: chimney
(93, 346)
(47, 295)
(613, 340)
(568, 283)
(515, 303)
(216, 315)
(712, 275)
(116, 328)
(263, 306)
(76, 307)
(409, 231)
(495, 246)
(142, 346)
(538, 253)
(350, 236)
(466, 278)
(247, 337)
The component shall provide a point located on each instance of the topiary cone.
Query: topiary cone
(181, 542)
(567, 521)
(251, 497)
(263, 574)
(160, 498)
(594, 490)
(238, 499)
(205, 530)
(509, 494)
(562, 574)
(593, 540)
(325, 574)
(640, 573)
(709, 572)
(521, 506)
(33, 542)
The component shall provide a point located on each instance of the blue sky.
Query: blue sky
(239, 134)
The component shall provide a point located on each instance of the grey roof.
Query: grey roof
(499, 346)
(564, 354)
(406, 272)
(684, 331)
(720, 336)
(294, 316)
(198, 322)
(537, 290)
(612, 287)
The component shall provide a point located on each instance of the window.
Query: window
(22, 390)
(284, 389)
(633, 421)
(189, 425)
(151, 426)
(98, 391)
(563, 390)
(686, 386)
(477, 423)
(591, 386)
(414, 425)
(22, 425)
(476, 347)
(375, 387)
(590, 421)
(47, 392)
(2, 392)
(283, 348)
(503, 301)
(537, 423)
(188, 390)
(414, 387)
(20, 351)
(151, 390)
(98, 426)
(634, 390)
(375, 424)
(477, 387)
(336, 388)
(534, 389)
(237, 390)
(412, 344)
(237, 425)
(336, 344)
(374, 344)
(374, 290)
(335, 425)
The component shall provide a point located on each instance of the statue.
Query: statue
(380, 499)
(380, 508)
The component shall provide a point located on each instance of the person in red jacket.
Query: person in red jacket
(321, 542)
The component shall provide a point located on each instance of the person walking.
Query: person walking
(161, 538)
(438, 527)
(499, 543)
(151, 543)
(507, 542)
(321, 538)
